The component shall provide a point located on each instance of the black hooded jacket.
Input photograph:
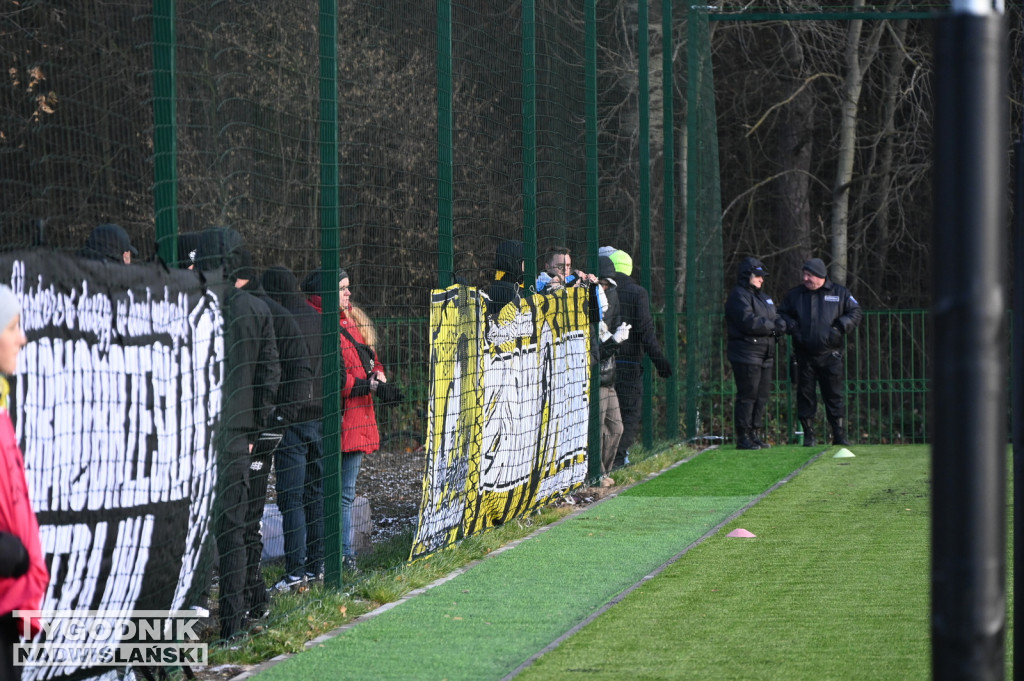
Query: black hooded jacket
(295, 389)
(252, 367)
(281, 285)
(752, 324)
(635, 310)
(508, 276)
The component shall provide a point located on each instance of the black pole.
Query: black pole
(1018, 403)
(969, 367)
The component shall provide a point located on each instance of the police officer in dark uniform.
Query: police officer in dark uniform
(819, 314)
(752, 327)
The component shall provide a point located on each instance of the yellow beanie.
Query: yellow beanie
(623, 263)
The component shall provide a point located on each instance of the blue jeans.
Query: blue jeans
(298, 462)
(350, 462)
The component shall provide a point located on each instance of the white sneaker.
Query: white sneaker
(289, 582)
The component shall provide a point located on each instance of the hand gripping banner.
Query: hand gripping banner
(508, 413)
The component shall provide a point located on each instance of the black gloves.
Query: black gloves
(663, 366)
(835, 336)
(389, 394)
(360, 388)
(13, 556)
(780, 326)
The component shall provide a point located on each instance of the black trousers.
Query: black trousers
(229, 529)
(629, 386)
(10, 633)
(259, 470)
(824, 371)
(753, 384)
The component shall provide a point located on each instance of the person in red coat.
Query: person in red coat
(364, 374)
(23, 574)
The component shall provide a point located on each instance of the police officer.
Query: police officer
(819, 313)
(752, 327)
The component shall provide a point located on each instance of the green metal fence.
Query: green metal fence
(886, 385)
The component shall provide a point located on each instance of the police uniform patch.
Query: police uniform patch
(831, 299)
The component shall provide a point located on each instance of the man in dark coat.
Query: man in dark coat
(819, 314)
(635, 310)
(508, 276)
(252, 374)
(294, 392)
(298, 461)
(751, 327)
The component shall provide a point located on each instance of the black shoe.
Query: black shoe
(808, 438)
(746, 443)
(840, 439)
(756, 439)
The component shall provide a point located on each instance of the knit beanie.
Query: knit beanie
(9, 306)
(623, 263)
(816, 267)
(606, 250)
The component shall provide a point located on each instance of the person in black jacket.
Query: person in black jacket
(298, 461)
(819, 314)
(508, 276)
(252, 373)
(293, 392)
(635, 309)
(751, 327)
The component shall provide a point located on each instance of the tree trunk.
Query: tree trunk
(793, 205)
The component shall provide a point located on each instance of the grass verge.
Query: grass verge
(386, 576)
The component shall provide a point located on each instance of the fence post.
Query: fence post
(329, 226)
(445, 188)
(590, 19)
(529, 142)
(165, 131)
(671, 323)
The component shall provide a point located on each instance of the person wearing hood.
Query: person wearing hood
(109, 242)
(252, 373)
(752, 328)
(635, 309)
(23, 573)
(819, 314)
(508, 276)
(298, 460)
(294, 391)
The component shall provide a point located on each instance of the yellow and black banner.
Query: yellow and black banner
(508, 413)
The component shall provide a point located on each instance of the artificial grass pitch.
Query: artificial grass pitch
(488, 621)
(834, 586)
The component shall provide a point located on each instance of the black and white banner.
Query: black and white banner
(114, 403)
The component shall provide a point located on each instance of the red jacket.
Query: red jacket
(358, 420)
(16, 517)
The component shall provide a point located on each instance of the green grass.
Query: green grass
(385, 577)
(486, 622)
(834, 586)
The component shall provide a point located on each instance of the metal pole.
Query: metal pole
(529, 142)
(969, 315)
(329, 227)
(445, 182)
(165, 131)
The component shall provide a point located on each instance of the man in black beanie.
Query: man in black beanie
(819, 314)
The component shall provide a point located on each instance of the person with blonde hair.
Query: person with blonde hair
(364, 376)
